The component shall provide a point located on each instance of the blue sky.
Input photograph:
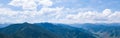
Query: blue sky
(98, 5)
(61, 11)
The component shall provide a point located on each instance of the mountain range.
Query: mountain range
(103, 30)
(44, 30)
(57, 30)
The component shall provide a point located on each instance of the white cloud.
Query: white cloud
(106, 12)
(115, 16)
(45, 2)
(9, 12)
(25, 4)
(56, 14)
(30, 4)
(16, 3)
(29, 16)
(95, 17)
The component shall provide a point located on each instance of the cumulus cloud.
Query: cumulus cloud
(107, 16)
(30, 4)
(58, 15)
(45, 2)
(44, 14)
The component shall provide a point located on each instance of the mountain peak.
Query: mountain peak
(25, 23)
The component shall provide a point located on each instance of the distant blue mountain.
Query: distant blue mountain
(44, 30)
(3, 25)
(103, 30)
